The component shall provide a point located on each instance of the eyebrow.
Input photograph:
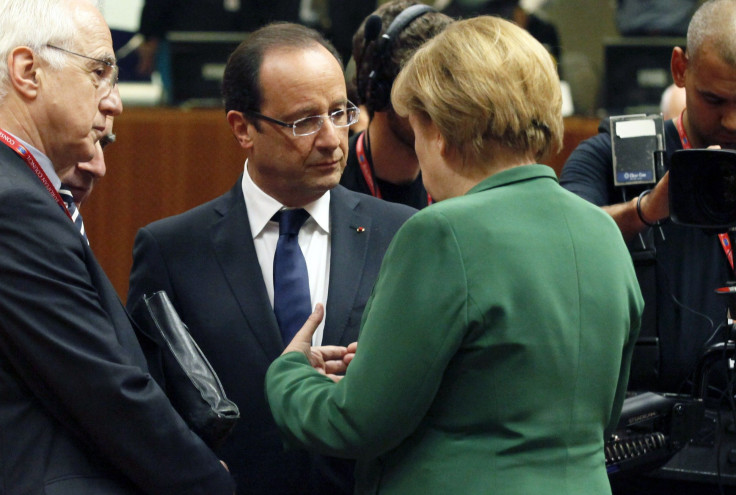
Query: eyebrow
(311, 111)
(710, 95)
(106, 58)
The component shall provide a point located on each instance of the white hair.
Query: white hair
(35, 24)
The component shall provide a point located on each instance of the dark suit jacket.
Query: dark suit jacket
(206, 261)
(79, 413)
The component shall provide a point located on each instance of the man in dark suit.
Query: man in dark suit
(287, 106)
(79, 411)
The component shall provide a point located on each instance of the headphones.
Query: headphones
(376, 92)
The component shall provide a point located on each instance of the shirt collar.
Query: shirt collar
(43, 161)
(261, 207)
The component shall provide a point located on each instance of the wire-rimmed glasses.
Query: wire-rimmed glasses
(107, 73)
(343, 117)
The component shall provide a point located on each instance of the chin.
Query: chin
(330, 174)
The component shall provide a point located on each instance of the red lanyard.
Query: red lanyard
(365, 167)
(30, 160)
(681, 131)
(725, 243)
(367, 170)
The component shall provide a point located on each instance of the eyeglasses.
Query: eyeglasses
(309, 125)
(107, 73)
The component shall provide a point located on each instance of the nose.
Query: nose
(112, 104)
(96, 166)
(329, 136)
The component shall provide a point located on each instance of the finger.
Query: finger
(353, 347)
(316, 361)
(330, 352)
(302, 341)
(304, 335)
(348, 358)
(335, 366)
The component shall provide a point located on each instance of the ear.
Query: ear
(678, 66)
(447, 150)
(242, 128)
(24, 71)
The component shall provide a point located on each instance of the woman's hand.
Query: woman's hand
(328, 360)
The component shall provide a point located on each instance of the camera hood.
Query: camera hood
(702, 188)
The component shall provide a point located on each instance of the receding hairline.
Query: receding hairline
(271, 54)
(311, 45)
(276, 49)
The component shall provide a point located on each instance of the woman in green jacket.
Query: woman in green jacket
(494, 353)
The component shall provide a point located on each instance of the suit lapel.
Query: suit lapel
(236, 255)
(350, 232)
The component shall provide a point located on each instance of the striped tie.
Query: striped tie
(68, 199)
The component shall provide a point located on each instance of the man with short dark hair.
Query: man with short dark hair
(287, 107)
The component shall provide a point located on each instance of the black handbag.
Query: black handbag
(190, 382)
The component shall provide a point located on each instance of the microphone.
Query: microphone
(372, 29)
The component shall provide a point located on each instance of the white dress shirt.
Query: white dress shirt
(314, 241)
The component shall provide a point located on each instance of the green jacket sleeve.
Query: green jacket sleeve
(412, 326)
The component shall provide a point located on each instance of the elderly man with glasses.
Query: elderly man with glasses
(225, 263)
(79, 411)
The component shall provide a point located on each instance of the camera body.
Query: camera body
(702, 182)
(702, 189)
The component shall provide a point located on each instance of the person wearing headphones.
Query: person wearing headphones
(381, 159)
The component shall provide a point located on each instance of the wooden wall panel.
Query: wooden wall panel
(166, 161)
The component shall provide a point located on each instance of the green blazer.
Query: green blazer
(493, 353)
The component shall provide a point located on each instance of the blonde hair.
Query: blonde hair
(485, 81)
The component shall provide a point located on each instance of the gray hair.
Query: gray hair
(35, 24)
(714, 24)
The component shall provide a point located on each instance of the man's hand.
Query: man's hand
(328, 360)
(655, 206)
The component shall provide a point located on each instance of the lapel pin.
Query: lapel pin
(360, 230)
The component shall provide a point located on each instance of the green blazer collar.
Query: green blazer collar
(514, 174)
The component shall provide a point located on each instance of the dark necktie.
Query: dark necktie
(291, 300)
(68, 199)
